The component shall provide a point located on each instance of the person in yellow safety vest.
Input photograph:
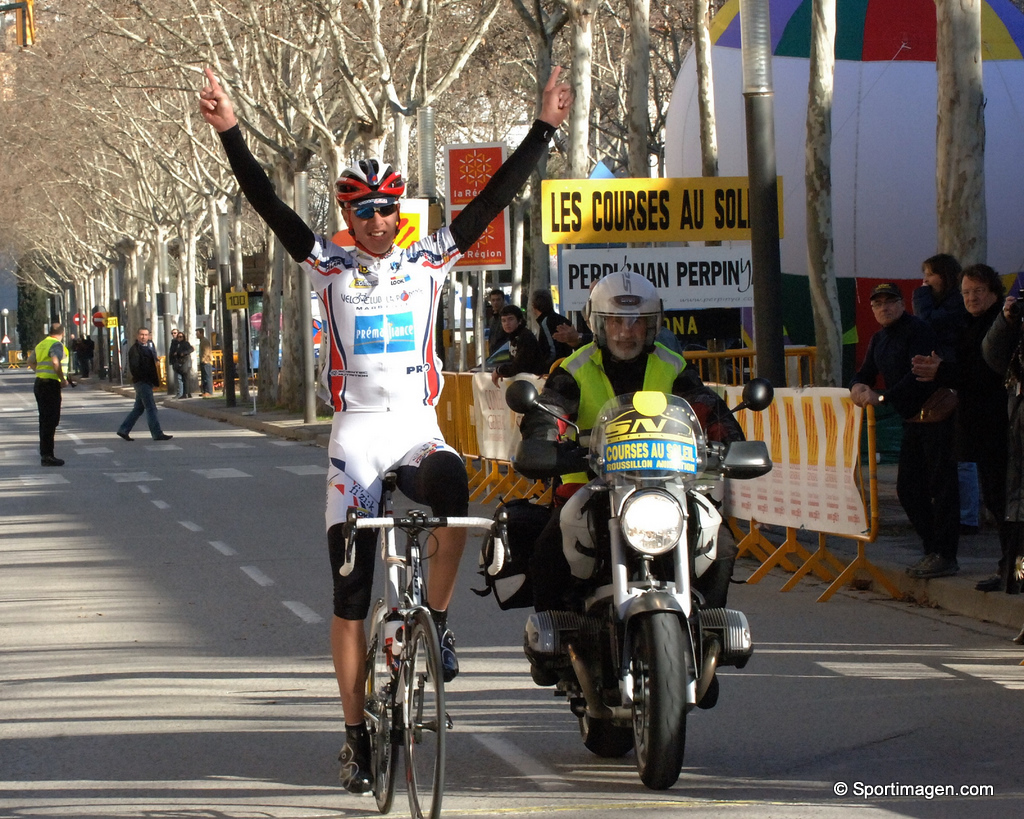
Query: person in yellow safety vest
(47, 358)
(625, 313)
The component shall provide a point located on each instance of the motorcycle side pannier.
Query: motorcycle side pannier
(511, 584)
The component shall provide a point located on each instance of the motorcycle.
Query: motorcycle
(640, 646)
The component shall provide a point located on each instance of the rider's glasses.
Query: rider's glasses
(367, 211)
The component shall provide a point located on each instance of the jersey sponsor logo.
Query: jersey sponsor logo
(418, 368)
(392, 333)
(400, 279)
(348, 374)
(360, 283)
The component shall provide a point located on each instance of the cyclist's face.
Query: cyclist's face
(377, 233)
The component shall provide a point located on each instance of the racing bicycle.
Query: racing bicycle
(405, 702)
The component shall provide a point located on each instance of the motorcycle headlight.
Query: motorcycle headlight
(652, 522)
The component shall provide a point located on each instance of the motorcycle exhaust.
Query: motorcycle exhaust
(707, 670)
(595, 702)
(733, 631)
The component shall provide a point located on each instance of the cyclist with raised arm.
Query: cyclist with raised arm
(381, 373)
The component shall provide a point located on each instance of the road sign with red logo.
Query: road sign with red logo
(99, 319)
(77, 319)
(467, 169)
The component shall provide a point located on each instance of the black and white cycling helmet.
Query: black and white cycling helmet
(369, 179)
(627, 295)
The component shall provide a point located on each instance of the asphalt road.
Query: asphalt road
(163, 653)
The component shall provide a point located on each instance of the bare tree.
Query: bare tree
(960, 132)
(818, 179)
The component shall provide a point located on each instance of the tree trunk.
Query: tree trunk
(291, 394)
(960, 132)
(638, 72)
(582, 14)
(821, 268)
(705, 87)
(270, 332)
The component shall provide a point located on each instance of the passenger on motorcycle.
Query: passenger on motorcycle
(624, 312)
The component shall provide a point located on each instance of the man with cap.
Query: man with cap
(926, 482)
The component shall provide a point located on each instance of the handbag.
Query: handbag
(938, 407)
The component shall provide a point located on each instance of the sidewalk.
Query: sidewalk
(895, 548)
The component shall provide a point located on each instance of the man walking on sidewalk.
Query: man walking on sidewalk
(145, 376)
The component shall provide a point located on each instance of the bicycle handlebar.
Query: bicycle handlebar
(424, 522)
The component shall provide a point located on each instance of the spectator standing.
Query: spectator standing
(548, 321)
(495, 334)
(522, 346)
(145, 376)
(981, 422)
(1003, 349)
(205, 364)
(86, 352)
(47, 360)
(938, 301)
(180, 356)
(926, 482)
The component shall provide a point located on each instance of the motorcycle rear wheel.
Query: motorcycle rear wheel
(605, 739)
(659, 701)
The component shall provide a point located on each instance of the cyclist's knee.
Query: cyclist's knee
(441, 482)
(352, 592)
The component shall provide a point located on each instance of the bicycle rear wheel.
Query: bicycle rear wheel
(379, 711)
(426, 722)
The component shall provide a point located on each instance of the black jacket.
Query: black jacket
(142, 364)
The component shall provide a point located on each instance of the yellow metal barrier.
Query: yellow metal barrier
(808, 452)
(735, 367)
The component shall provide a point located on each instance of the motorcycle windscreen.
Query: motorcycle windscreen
(647, 435)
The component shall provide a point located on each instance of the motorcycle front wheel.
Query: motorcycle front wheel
(659, 700)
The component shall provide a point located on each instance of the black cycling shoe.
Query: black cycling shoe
(449, 661)
(355, 773)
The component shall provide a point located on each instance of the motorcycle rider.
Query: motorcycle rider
(624, 312)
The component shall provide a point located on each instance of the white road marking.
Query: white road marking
(257, 576)
(77, 441)
(308, 469)
(281, 442)
(192, 527)
(1008, 676)
(303, 612)
(162, 447)
(97, 450)
(888, 671)
(131, 477)
(145, 490)
(223, 548)
(42, 480)
(159, 504)
(522, 762)
(227, 472)
(234, 446)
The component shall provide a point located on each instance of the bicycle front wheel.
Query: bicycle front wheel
(426, 722)
(379, 710)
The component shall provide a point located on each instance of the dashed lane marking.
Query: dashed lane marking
(223, 548)
(192, 527)
(532, 768)
(227, 472)
(888, 671)
(131, 477)
(159, 504)
(308, 469)
(257, 576)
(303, 612)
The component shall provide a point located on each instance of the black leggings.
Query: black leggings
(439, 481)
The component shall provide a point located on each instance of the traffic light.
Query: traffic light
(25, 25)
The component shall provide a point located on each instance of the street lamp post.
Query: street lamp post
(759, 104)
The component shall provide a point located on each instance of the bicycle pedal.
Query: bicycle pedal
(448, 721)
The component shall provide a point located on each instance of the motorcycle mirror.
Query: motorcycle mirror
(521, 396)
(757, 395)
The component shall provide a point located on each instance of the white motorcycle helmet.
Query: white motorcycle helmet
(625, 295)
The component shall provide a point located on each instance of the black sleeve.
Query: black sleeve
(294, 234)
(499, 192)
(868, 372)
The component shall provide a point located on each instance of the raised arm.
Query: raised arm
(215, 107)
(499, 192)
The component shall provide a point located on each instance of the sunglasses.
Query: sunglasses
(367, 211)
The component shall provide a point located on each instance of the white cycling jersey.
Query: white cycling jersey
(378, 343)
